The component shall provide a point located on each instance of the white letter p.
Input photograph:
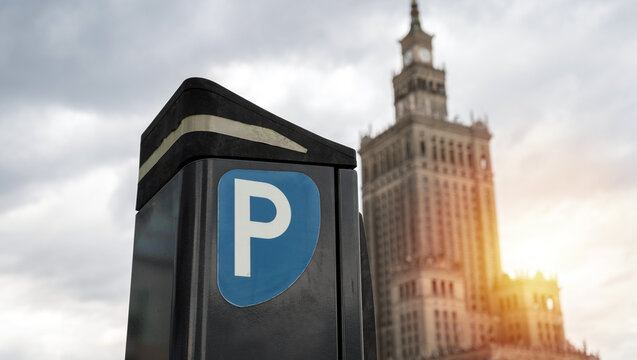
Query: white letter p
(244, 228)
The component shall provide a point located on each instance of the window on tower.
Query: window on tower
(549, 304)
(422, 84)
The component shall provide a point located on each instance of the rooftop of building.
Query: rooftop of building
(526, 278)
(477, 127)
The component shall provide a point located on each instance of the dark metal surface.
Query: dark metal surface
(152, 281)
(349, 269)
(369, 320)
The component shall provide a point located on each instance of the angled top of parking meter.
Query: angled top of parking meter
(203, 119)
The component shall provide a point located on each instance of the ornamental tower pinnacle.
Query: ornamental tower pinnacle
(419, 89)
(415, 18)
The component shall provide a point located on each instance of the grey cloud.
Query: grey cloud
(119, 55)
(92, 262)
(33, 159)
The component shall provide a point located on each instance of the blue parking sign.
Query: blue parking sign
(268, 228)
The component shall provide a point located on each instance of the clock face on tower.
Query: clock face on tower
(424, 55)
(408, 57)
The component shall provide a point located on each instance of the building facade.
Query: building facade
(429, 209)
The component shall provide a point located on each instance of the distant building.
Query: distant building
(429, 208)
(530, 311)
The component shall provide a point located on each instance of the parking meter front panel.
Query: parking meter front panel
(267, 285)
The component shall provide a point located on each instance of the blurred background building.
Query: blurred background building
(429, 208)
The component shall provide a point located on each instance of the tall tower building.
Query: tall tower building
(429, 211)
(429, 208)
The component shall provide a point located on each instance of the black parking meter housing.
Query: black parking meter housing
(176, 309)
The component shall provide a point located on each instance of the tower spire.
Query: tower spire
(415, 16)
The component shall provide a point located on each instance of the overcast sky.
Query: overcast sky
(80, 81)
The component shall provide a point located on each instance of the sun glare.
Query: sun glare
(529, 256)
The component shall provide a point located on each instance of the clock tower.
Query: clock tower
(420, 87)
(429, 208)
(432, 234)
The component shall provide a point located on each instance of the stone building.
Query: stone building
(429, 208)
(530, 311)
